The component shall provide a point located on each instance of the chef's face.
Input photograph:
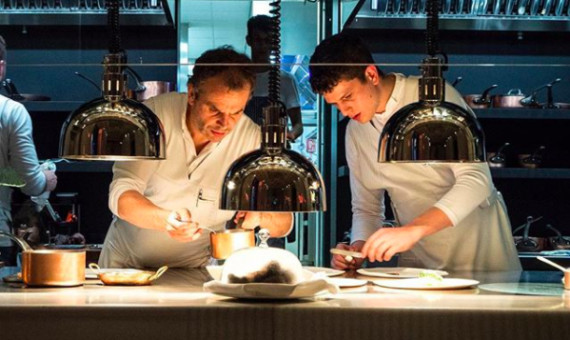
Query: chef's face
(356, 98)
(215, 109)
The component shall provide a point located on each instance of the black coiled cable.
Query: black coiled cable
(432, 31)
(275, 56)
(113, 22)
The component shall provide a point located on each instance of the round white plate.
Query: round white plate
(90, 274)
(327, 271)
(397, 272)
(427, 284)
(346, 282)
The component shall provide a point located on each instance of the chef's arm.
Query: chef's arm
(279, 224)
(430, 222)
(140, 211)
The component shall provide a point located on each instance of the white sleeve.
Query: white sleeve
(473, 184)
(130, 175)
(367, 204)
(289, 91)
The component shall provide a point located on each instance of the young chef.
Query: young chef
(451, 215)
(158, 205)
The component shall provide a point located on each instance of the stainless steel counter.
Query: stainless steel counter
(177, 308)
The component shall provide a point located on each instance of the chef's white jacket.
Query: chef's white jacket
(480, 238)
(184, 180)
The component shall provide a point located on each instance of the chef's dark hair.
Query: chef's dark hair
(259, 23)
(342, 48)
(224, 60)
(2, 48)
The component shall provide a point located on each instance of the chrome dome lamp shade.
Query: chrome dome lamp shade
(113, 128)
(273, 178)
(432, 130)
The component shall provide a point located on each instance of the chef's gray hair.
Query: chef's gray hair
(236, 68)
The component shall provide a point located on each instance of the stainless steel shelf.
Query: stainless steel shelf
(462, 22)
(522, 113)
(152, 17)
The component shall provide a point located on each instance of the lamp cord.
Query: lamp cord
(113, 22)
(432, 32)
(275, 56)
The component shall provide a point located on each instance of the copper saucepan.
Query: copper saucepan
(225, 242)
(50, 267)
(480, 101)
(510, 100)
(147, 89)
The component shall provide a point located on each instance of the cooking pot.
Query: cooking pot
(526, 243)
(558, 241)
(50, 267)
(147, 89)
(511, 99)
(497, 159)
(21, 97)
(530, 101)
(480, 101)
(532, 161)
(224, 243)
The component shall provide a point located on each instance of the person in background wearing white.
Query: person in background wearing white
(159, 207)
(17, 152)
(451, 216)
(258, 38)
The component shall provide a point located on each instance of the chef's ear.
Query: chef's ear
(371, 74)
(192, 93)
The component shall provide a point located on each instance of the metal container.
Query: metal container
(50, 267)
(224, 243)
(480, 101)
(509, 100)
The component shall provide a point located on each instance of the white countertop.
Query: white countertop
(177, 306)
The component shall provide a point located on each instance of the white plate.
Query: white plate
(326, 271)
(90, 274)
(271, 291)
(427, 284)
(346, 282)
(397, 272)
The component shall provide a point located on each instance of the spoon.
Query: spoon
(555, 265)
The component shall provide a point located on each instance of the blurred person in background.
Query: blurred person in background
(18, 159)
(259, 37)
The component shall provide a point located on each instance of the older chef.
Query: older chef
(206, 131)
(451, 215)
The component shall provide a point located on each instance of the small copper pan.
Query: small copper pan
(225, 242)
(50, 267)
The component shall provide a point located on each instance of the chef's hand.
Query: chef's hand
(51, 180)
(251, 219)
(340, 261)
(180, 226)
(386, 242)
